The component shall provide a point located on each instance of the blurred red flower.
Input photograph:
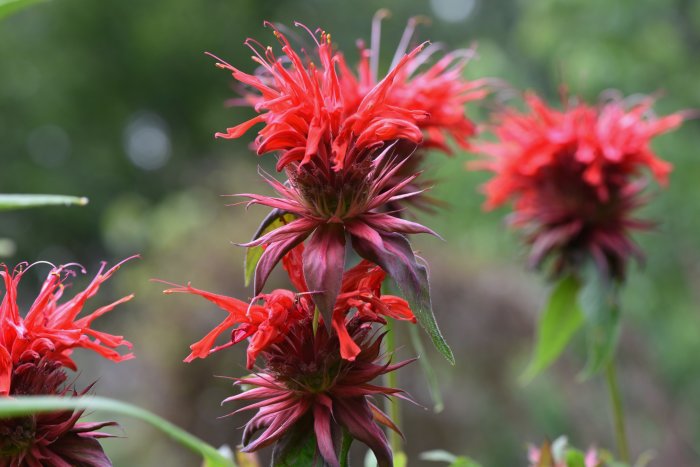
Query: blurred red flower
(575, 177)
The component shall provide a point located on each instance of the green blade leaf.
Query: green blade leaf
(439, 455)
(22, 201)
(7, 7)
(599, 302)
(297, 448)
(428, 369)
(26, 405)
(561, 318)
(275, 220)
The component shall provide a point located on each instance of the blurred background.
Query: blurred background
(115, 100)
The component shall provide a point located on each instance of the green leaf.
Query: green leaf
(15, 201)
(575, 458)
(26, 405)
(252, 255)
(439, 455)
(599, 302)
(428, 369)
(297, 448)
(7, 7)
(561, 318)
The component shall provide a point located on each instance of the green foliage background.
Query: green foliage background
(79, 78)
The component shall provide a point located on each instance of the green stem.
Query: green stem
(27, 405)
(618, 412)
(317, 317)
(345, 449)
(391, 380)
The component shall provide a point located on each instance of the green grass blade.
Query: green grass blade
(7, 7)
(22, 201)
(26, 405)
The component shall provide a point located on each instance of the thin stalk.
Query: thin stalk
(391, 380)
(345, 449)
(618, 412)
(26, 405)
(317, 317)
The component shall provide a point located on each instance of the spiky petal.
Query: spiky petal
(306, 382)
(50, 329)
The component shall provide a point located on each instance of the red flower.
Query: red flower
(575, 178)
(51, 330)
(307, 386)
(342, 148)
(309, 111)
(268, 323)
(439, 89)
(52, 438)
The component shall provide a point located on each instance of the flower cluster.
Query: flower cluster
(349, 145)
(35, 350)
(575, 178)
(346, 143)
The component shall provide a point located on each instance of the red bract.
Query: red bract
(52, 438)
(51, 330)
(342, 148)
(575, 178)
(263, 324)
(307, 386)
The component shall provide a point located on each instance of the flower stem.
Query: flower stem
(345, 449)
(618, 412)
(317, 317)
(391, 380)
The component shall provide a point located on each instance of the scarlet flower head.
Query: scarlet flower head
(575, 177)
(51, 330)
(440, 89)
(342, 149)
(307, 386)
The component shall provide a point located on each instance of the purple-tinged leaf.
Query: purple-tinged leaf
(324, 262)
(322, 428)
(356, 416)
(271, 256)
(393, 253)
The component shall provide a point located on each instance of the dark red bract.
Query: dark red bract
(306, 385)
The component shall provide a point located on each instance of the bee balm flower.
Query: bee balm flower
(306, 385)
(342, 150)
(575, 177)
